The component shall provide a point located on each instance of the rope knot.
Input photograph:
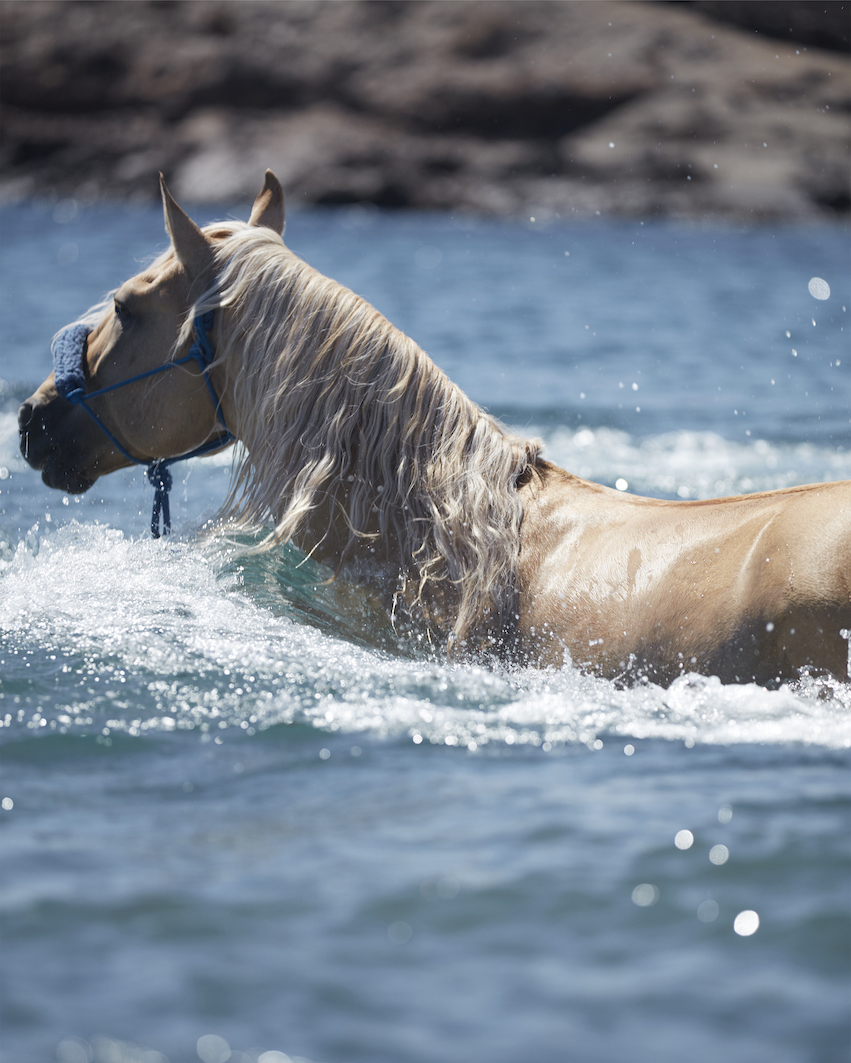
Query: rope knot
(160, 478)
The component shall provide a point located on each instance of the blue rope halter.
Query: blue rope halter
(70, 380)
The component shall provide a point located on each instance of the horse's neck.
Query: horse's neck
(364, 452)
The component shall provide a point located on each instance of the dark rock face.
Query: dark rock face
(825, 23)
(562, 108)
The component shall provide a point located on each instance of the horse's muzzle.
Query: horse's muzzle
(55, 440)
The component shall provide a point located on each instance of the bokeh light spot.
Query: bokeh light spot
(818, 288)
(645, 895)
(746, 923)
(399, 932)
(213, 1049)
(707, 911)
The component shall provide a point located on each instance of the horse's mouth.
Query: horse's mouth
(58, 475)
(54, 454)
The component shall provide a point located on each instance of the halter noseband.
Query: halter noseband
(70, 381)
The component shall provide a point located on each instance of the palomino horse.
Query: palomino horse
(366, 456)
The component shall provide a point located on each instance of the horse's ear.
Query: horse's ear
(190, 245)
(268, 209)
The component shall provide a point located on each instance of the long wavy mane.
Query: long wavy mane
(335, 404)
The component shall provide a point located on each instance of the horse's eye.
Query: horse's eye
(122, 313)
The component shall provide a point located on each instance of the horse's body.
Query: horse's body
(752, 587)
(365, 455)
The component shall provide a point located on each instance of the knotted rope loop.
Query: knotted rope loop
(160, 479)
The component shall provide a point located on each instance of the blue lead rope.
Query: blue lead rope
(70, 380)
(160, 479)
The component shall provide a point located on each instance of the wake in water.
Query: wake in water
(105, 634)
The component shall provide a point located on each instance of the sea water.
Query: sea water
(237, 827)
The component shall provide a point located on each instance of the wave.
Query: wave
(105, 634)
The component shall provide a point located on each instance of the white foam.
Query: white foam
(158, 636)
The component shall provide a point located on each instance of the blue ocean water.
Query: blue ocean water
(235, 828)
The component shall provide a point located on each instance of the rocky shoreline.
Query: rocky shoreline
(548, 108)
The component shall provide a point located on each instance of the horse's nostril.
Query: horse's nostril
(25, 415)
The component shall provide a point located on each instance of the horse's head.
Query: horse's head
(161, 415)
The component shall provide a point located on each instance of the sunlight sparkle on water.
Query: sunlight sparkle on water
(746, 923)
(399, 932)
(70, 1050)
(725, 814)
(707, 911)
(645, 895)
(213, 1049)
(684, 839)
(719, 854)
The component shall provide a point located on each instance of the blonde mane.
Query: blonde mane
(336, 406)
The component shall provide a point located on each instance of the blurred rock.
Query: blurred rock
(564, 108)
(826, 23)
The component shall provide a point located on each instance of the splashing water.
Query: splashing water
(134, 637)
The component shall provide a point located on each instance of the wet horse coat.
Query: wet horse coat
(362, 452)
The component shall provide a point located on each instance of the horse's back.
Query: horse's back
(749, 587)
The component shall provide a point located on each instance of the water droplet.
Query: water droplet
(684, 839)
(399, 932)
(819, 288)
(707, 911)
(719, 854)
(213, 1049)
(621, 484)
(645, 895)
(746, 923)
